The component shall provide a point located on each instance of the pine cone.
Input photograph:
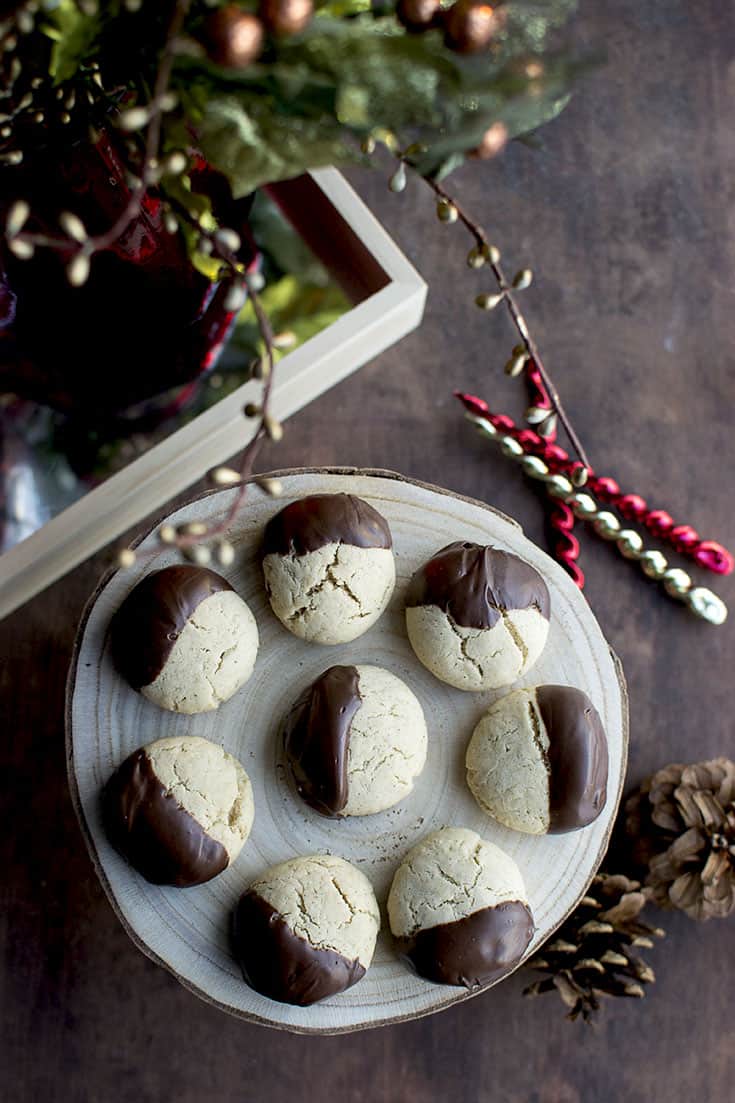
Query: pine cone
(593, 952)
(682, 825)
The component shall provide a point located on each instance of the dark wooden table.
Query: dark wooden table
(626, 216)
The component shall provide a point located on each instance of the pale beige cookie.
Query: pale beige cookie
(213, 657)
(477, 617)
(184, 639)
(179, 810)
(328, 567)
(209, 783)
(306, 929)
(458, 909)
(388, 743)
(537, 760)
(331, 595)
(355, 741)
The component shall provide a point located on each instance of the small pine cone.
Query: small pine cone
(593, 952)
(681, 823)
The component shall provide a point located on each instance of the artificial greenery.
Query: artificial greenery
(310, 98)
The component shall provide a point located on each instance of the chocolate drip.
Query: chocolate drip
(152, 617)
(475, 584)
(577, 757)
(312, 523)
(153, 832)
(281, 965)
(317, 738)
(472, 951)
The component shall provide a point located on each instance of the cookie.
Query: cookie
(306, 929)
(537, 761)
(328, 567)
(184, 639)
(458, 909)
(179, 810)
(477, 618)
(355, 741)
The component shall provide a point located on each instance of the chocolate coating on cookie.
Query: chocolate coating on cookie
(311, 523)
(317, 735)
(152, 617)
(472, 951)
(281, 965)
(577, 757)
(153, 832)
(475, 584)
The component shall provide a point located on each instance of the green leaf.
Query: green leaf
(73, 35)
(252, 144)
(342, 79)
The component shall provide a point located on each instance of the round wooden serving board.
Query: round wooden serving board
(187, 930)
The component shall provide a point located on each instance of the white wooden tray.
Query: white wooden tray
(188, 930)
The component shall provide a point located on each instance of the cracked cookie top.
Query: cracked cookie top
(185, 639)
(537, 761)
(179, 810)
(328, 567)
(477, 618)
(153, 615)
(475, 584)
(458, 909)
(306, 929)
(355, 741)
(311, 523)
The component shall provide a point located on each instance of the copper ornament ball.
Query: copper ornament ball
(469, 26)
(284, 17)
(417, 15)
(234, 37)
(492, 142)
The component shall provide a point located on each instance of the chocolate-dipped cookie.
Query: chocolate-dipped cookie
(328, 567)
(306, 929)
(179, 810)
(458, 909)
(355, 741)
(184, 639)
(477, 617)
(537, 760)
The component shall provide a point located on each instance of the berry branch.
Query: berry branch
(449, 210)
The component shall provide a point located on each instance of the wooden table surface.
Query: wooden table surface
(626, 215)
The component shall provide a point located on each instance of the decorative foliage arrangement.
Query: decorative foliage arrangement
(192, 104)
(264, 92)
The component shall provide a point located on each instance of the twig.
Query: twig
(251, 450)
(483, 242)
